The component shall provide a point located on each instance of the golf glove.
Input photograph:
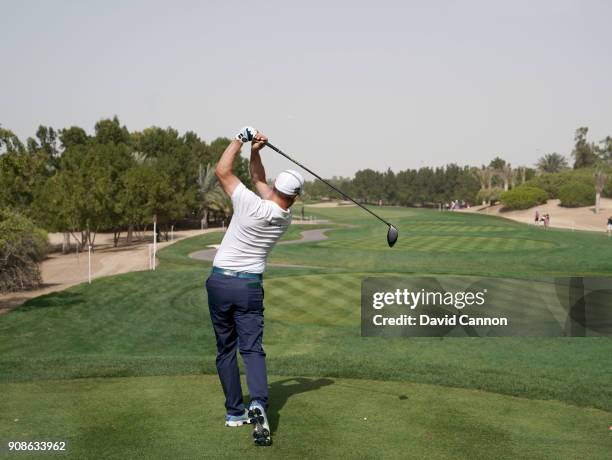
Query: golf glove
(246, 134)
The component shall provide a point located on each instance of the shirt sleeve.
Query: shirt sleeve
(245, 202)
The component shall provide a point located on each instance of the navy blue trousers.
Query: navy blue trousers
(236, 310)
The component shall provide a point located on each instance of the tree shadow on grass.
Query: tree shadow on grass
(55, 299)
(282, 390)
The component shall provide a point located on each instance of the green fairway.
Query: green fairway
(464, 397)
(444, 243)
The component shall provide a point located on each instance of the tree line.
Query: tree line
(428, 186)
(114, 180)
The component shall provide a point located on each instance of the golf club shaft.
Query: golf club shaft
(326, 183)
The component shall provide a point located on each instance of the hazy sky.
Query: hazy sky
(340, 85)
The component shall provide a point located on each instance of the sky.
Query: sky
(341, 86)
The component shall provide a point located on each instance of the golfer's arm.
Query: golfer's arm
(258, 174)
(224, 168)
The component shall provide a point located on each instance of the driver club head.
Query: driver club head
(392, 235)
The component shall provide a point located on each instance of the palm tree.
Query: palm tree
(485, 176)
(141, 158)
(520, 175)
(584, 153)
(600, 182)
(507, 175)
(605, 151)
(552, 163)
(213, 198)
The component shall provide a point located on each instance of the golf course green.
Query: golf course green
(125, 367)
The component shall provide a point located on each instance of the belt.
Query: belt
(223, 271)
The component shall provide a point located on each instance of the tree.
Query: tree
(466, 186)
(389, 187)
(605, 149)
(72, 136)
(46, 140)
(583, 153)
(521, 174)
(424, 185)
(405, 184)
(172, 155)
(22, 247)
(507, 175)
(143, 187)
(212, 197)
(83, 195)
(497, 163)
(110, 130)
(368, 185)
(22, 173)
(485, 176)
(9, 142)
(552, 163)
(498, 167)
(316, 190)
(600, 182)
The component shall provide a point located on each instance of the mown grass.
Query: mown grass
(179, 417)
(157, 324)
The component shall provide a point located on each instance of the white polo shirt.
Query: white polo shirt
(255, 228)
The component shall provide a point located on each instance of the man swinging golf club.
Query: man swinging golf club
(235, 291)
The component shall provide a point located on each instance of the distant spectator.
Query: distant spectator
(609, 225)
(546, 220)
(537, 216)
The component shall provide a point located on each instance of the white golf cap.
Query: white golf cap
(289, 182)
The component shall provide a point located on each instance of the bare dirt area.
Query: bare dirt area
(60, 271)
(570, 218)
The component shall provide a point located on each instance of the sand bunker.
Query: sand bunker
(560, 217)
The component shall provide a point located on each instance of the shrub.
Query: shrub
(22, 247)
(575, 194)
(523, 197)
(607, 191)
(552, 182)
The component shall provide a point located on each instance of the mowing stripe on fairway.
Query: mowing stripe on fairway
(156, 323)
(438, 243)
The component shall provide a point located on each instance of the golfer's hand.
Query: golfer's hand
(259, 142)
(246, 134)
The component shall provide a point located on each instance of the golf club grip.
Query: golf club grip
(277, 150)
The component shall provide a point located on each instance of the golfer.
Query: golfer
(235, 291)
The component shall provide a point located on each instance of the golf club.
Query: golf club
(392, 232)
